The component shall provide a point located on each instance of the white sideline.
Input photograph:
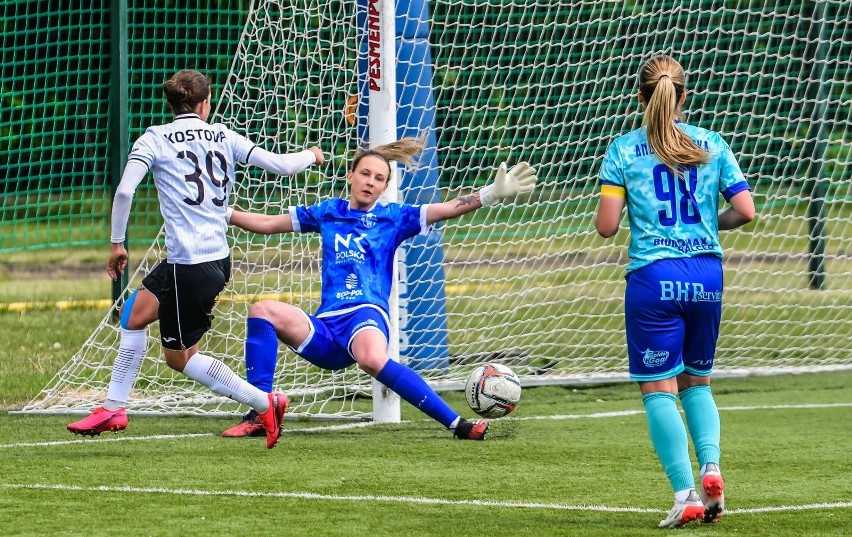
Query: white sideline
(358, 425)
(101, 440)
(407, 499)
(621, 413)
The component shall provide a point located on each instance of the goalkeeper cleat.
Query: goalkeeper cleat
(684, 512)
(712, 493)
(250, 426)
(99, 421)
(471, 430)
(271, 419)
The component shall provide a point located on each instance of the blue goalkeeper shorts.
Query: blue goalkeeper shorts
(672, 311)
(329, 344)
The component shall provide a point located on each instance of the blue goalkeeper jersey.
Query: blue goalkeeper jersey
(358, 249)
(670, 216)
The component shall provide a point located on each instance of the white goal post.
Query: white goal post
(529, 284)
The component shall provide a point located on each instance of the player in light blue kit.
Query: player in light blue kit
(670, 175)
(359, 237)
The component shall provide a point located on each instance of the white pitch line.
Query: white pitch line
(595, 415)
(406, 499)
(782, 407)
(340, 427)
(335, 497)
(358, 425)
(102, 440)
(622, 413)
(781, 508)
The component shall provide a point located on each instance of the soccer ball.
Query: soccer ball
(492, 390)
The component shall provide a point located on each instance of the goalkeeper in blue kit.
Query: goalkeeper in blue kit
(360, 236)
(670, 175)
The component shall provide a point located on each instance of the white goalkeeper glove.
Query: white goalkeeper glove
(520, 179)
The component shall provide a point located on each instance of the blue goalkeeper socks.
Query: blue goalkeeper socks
(702, 418)
(261, 353)
(411, 387)
(668, 435)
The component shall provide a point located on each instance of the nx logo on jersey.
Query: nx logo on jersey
(351, 283)
(654, 358)
(687, 291)
(349, 248)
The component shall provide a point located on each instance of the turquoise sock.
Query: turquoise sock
(702, 418)
(668, 435)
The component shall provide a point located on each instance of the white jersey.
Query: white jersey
(193, 166)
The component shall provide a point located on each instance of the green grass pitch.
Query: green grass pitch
(572, 461)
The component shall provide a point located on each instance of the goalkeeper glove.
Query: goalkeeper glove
(520, 179)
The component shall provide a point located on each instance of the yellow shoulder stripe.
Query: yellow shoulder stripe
(612, 190)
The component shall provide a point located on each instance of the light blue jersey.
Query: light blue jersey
(358, 250)
(670, 217)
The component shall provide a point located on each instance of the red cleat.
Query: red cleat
(250, 426)
(271, 419)
(99, 421)
(471, 430)
(713, 494)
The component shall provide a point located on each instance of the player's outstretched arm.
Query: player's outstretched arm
(265, 224)
(288, 163)
(506, 186)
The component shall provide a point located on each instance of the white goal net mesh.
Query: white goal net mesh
(530, 284)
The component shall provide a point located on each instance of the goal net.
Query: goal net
(530, 284)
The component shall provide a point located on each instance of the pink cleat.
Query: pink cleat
(99, 421)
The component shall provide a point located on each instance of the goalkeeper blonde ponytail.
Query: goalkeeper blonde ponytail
(404, 151)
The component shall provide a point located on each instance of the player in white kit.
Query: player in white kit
(192, 162)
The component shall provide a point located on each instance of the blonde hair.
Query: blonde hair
(661, 84)
(404, 151)
(185, 89)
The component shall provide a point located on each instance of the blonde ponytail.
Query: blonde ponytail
(661, 83)
(404, 151)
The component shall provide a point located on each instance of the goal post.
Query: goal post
(377, 76)
(394, 54)
(528, 284)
